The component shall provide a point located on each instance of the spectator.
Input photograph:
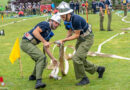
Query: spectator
(53, 6)
(55, 11)
(34, 9)
(125, 6)
(101, 14)
(21, 13)
(72, 5)
(83, 7)
(77, 7)
(94, 6)
(109, 12)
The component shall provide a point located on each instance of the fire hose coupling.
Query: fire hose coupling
(56, 77)
(57, 42)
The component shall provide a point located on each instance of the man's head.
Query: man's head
(64, 10)
(55, 21)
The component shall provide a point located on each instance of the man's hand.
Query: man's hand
(108, 12)
(102, 15)
(59, 42)
(55, 62)
(47, 44)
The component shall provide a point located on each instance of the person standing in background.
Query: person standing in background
(77, 7)
(124, 4)
(109, 13)
(101, 14)
(53, 6)
(94, 6)
(72, 5)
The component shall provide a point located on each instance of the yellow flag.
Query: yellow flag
(105, 11)
(2, 18)
(124, 1)
(15, 53)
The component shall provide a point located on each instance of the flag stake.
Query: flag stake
(87, 10)
(15, 54)
(21, 70)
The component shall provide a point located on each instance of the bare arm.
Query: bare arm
(47, 50)
(74, 36)
(127, 5)
(101, 10)
(49, 53)
(37, 34)
(69, 33)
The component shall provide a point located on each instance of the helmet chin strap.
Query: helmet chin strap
(67, 18)
(52, 26)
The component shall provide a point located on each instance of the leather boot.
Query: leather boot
(39, 84)
(32, 77)
(84, 81)
(100, 71)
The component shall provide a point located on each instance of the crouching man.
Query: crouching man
(42, 32)
(79, 29)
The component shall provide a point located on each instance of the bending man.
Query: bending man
(79, 29)
(42, 32)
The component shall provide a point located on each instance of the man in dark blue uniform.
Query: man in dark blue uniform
(101, 14)
(124, 6)
(42, 32)
(109, 12)
(77, 7)
(79, 29)
(72, 5)
(94, 6)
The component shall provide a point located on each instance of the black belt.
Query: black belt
(87, 32)
(33, 41)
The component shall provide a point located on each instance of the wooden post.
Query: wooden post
(61, 59)
(20, 65)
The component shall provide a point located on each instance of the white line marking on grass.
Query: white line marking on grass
(112, 56)
(123, 19)
(118, 14)
(20, 21)
(100, 46)
(120, 57)
(107, 55)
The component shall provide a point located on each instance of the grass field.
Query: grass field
(3, 2)
(116, 77)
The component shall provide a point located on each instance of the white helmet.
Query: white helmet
(56, 18)
(64, 8)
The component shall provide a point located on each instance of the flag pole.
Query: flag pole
(21, 70)
(87, 10)
(15, 54)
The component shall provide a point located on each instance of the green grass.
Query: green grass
(116, 77)
(128, 17)
(3, 2)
